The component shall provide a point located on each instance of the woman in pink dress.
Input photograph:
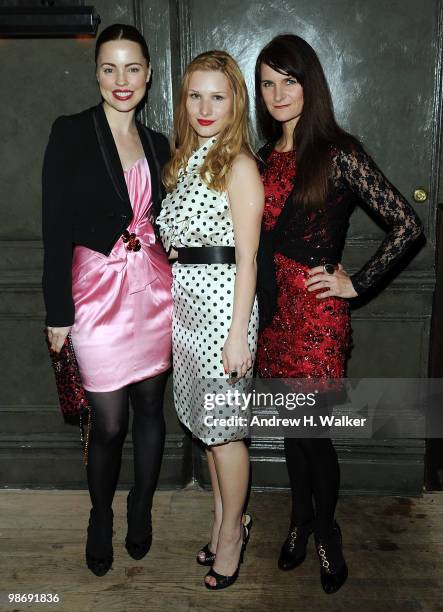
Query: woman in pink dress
(107, 281)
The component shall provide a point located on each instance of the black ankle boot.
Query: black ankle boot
(333, 568)
(137, 548)
(99, 551)
(293, 551)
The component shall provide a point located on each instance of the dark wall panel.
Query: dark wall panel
(381, 70)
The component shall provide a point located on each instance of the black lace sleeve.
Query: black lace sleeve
(361, 175)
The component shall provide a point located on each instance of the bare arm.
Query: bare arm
(246, 197)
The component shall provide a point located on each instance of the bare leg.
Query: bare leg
(231, 462)
(218, 506)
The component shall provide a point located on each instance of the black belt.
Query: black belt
(310, 256)
(206, 255)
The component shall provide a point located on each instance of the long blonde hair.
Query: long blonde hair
(232, 139)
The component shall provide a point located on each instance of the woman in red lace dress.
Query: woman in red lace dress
(313, 173)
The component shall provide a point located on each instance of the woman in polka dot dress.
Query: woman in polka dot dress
(211, 217)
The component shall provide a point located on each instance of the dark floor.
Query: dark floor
(393, 545)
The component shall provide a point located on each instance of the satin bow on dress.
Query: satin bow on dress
(123, 303)
(141, 270)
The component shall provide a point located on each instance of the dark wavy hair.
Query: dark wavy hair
(316, 129)
(120, 31)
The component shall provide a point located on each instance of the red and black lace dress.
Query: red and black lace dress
(310, 337)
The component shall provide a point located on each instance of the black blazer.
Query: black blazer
(85, 198)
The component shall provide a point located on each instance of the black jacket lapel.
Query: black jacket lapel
(263, 153)
(110, 155)
(154, 166)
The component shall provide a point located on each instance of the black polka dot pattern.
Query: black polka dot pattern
(193, 215)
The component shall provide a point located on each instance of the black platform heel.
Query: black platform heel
(333, 568)
(137, 550)
(209, 556)
(293, 551)
(99, 551)
(222, 582)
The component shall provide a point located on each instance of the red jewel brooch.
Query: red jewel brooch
(131, 241)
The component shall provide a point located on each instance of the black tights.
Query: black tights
(313, 473)
(110, 417)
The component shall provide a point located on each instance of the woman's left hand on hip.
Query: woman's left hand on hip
(337, 284)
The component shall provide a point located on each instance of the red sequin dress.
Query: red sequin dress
(307, 338)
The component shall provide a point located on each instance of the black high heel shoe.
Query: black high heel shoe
(209, 556)
(137, 550)
(293, 551)
(99, 551)
(333, 568)
(222, 582)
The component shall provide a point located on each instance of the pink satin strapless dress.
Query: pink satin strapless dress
(123, 303)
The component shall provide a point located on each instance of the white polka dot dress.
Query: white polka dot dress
(195, 216)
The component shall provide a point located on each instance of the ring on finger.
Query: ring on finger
(329, 268)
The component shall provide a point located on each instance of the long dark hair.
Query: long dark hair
(120, 31)
(317, 128)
